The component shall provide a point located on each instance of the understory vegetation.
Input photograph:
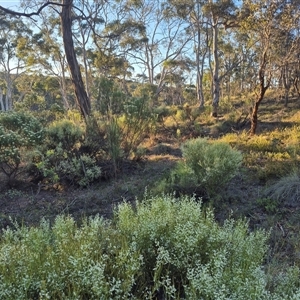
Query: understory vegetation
(165, 248)
(149, 203)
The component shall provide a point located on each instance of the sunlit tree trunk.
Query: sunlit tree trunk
(263, 86)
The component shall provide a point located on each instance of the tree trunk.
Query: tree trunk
(262, 90)
(216, 79)
(82, 98)
(200, 67)
(8, 95)
(254, 118)
(286, 83)
(2, 108)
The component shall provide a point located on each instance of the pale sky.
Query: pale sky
(9, 3)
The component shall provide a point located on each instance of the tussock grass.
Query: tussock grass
(285, 190)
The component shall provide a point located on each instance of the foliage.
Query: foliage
(59, 159)
(135, 123)
(268, 204)
(114, 142)
(94, 137)
(66, 133)
(177, 239)
(59, 165)
(110, 99)
(208, 165)
(82, 170)
(161, 111)
(163, 248)
(270, 156)
(146, 91)
(19, 133)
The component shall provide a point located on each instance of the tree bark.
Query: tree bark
(2, 108)
(262, 90)
(82, 98)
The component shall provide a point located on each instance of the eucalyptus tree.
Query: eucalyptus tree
(196, 22)
(44, 51)
(221, 14)
(105, 26)
(287, 52)
(67, 13)
(267, 31)
(66, 16)
(209, 24)
(13, 34)
(161, 45)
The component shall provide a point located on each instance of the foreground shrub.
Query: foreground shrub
(187, 254)
(161, 249)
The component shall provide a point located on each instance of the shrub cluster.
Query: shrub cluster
(60, 159)
(19, 133)
(207, 167)
(162, 249)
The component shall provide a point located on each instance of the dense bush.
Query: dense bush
(206, 166)
(82, 170)
(109, 97)
(19, 133)
(66, 133)
(162, 249)
(59, 159)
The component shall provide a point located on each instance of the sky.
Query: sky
(9, 3)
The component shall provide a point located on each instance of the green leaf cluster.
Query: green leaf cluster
(19, 133)
(60, 159)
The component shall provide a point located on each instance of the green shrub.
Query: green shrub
(57, 165)
(19, 133)
(109, 99)
(66, 133)
(161, 111)
(114, 142)
(94, 137)
(67, 262)
(207, 165)
(163, 248)
(82, 170)
(59, 157)
(136, 122)
(179, 243)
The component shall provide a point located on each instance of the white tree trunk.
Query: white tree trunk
(2, 108)
(216, 78)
